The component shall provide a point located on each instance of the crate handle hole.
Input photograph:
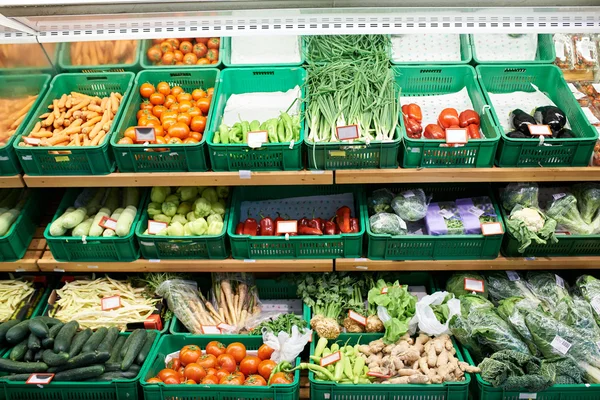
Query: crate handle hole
(97, 78)
(263, 73)
(430, 71)
(517, 70)
(174, 74)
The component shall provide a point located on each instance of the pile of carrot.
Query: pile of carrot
(26, 55)
(103, 52)
(12, 114)
(75, 119)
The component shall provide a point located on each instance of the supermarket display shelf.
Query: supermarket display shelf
(15, 181)
(500, 263)
(29, 261)
(146, 179)
(47, 263)
(434, 175)
(578, 75)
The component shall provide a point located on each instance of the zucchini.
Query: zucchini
(28, 356)
(143, 354)
(39, 328)
(96, 229)
(48, 343)
(53, 359)
(83, 360)
(94, 341)
(83, 229)
(56, 227)
(18, 333)
(48, 320)
(7, 219)
(116, 375)
(5, 327)
(115, 353)
(138, 338)
(125, 221)
(63, 339)
(38, 355)
(79, 341)
(125, 346)
(74, 218)
(34, 342)
(18, 367)
(109, 340)
(79, 374)
(18, 352)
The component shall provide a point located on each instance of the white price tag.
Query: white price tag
(474, 285)
(560, 281)
(512, 276)
(539, 130)
(559, 48)
(590, 116)
(32, 141)
(108, 223)
(491, 228)
(210, 330)
(257, 138)
(446, 214)
(154, 227)
(330, 359)
(596, 87)
(561, 345)
(245, 174)
(408, 193)
(478, 212)
(578, 95)
(287, 226)
(348, 132)
(145, 134)
(357, 317)
(39, 379)
(384, 290)
(456, 136)
(111, 303)
(557, 196)
(226, 327)
(527, 396)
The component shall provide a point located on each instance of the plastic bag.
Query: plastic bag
(425, 317)
(235, 297)
(287, 347)
(380, 201)
(586, 54)
(564, 51)
(410, 205)
(387, 223)
(474, 212)
(184, 300)
(443, 218)
(522, 193)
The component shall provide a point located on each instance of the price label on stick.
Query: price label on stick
(456, 136)
(474, 285)
(210, 330)
(39, 379)
(378, 375)
(348, 132)
(154, 227)
(539, 130)
(357, 317)
(111, 303)
(330, 359)
(145, 134)
(287, 226)
(491, 228)
(108, 223)
(257, 138)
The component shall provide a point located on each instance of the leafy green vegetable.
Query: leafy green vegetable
(589, 287)
(500, 286)
(578, 313)
(410, 205)
(549, 288)
(387, 223)
(399, 304)
(283, 322)
(513, 310)
(469, 302)
(529, 225)
(562, 371)
(564, 211)
(523, 194)
(380, 201)
(512, 370)
(456, 283)
(588, 199)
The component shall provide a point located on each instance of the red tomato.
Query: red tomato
(165, 373)
(170, 100)
(200, 50)
(157, 98)
(172, 380)
(202, 40)
(210, 380)
(237, 350)
(198, 124)
(249, 365)
(178, 56)
(188, 354)
(264, 352)
(194, 111)
(190, 382)
(266, 367)
(214, 43)
(168, 58)
(211, 371)
(153, 380)
(202, 61)
(255, 380)
(146, 90)
(185, 47)
(181, 131)
(231, 380)
(176, 91)
(185, 105)
(212, 55)
(175, 141)
(185, 118)
(203, 104)
(194, 372)
(282, 378)
(184, 97)
(198, 94)
(164, 88)
(227, 362)
(158, 110)
(215, 348)
(166, 47)
(154, 54)
(221, 373)
(126, 140)
(190, 59)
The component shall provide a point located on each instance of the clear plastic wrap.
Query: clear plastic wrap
(586, 52)
(387, 223)
(547, 287)
(566, 214)
(563, 46)
(443, 218)
(524, 194)
(184, 300)
(505, 284)
(235, 297)
(380, 201)
(588, 199)
(410, 205)
(476, 211)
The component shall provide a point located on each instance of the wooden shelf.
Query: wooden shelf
(29, 261)
(148, 179)
(48, 264)
(433, 175)
(500, 263)
(15, 181)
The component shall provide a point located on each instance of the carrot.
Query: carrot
(95, 108)
(62, 101)
(44, 116)
(79, 106)
(41, 134)
(114, 103)
(48, 121)
(55, 139)
(98, 139)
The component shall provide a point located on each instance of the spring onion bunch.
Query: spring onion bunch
(332, 47)
(360, 92)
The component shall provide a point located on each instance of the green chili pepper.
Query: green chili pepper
(321, 345)
(282, 366)
(235, 135)
(223, 133)
(245, 130)
(272, 130)
(289, 130)
(254, 126)
(280, 130)
(217, 137)
(314, 368)
(296, 126)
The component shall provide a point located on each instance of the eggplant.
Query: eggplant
(565, 134)
(519, 120)
(551, 116)
(518, 135)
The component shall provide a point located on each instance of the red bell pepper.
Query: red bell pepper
(250, 227)
(239, 229)
(473, 131)
(330, 228)
(448, 117)
(343, 219)
(354, 226)
(412, 111)
(413, 128)
(467, 118)
(309, 230)
(303, 222)
(433, 131)
(267, 227)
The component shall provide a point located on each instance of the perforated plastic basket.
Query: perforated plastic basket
(277, 247)
(271, 156)
(466, 55)
(445, 79)
(172, 343)
(71, 160)
(545, 53)
(147, 64)
(17, 86)
(226, 57)
(65, 64)
(443, 247)
(160, 157)
(77, 248)
(572, 152)
(14, 244)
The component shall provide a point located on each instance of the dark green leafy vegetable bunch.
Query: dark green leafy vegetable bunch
(281, 323)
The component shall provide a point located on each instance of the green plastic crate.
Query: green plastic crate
(226, 47)
(268, 289)
(121, 389)
(172, 343)
(572, 152)
(64, 62)
(147, 64)
(443, 247)
(160, 157)
(47, 51)
(485, 391)
(445, 79)
(466, 55)
(323, 390)
(65, 160)
(37, 303)
(347, 245)
(545, 52)
(18, 86)
(180, 247)
(271, 156)
(13, 245)
(71, 248)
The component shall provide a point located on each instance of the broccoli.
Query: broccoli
(523, 194)
(387, 223)
(410, 205)
(588, 200)
(380, 201)
(564, 211)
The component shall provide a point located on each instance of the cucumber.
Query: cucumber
(143, 354)
(115, 353)
(18, 333)
(34, 342)
(79, 374)
(39, 328)
(138, 338)
(125, 346)
(83, 360)
(48, 343)
(17, 377)
(5, 327)
(116, 375)
(28, 356)
(54, 329)
(79, 341)
(18, 367)
(63, 339)
(38, 355)
(109, 340)
(55, 360)
(18, 352)
(49, 321)
(94, 341)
